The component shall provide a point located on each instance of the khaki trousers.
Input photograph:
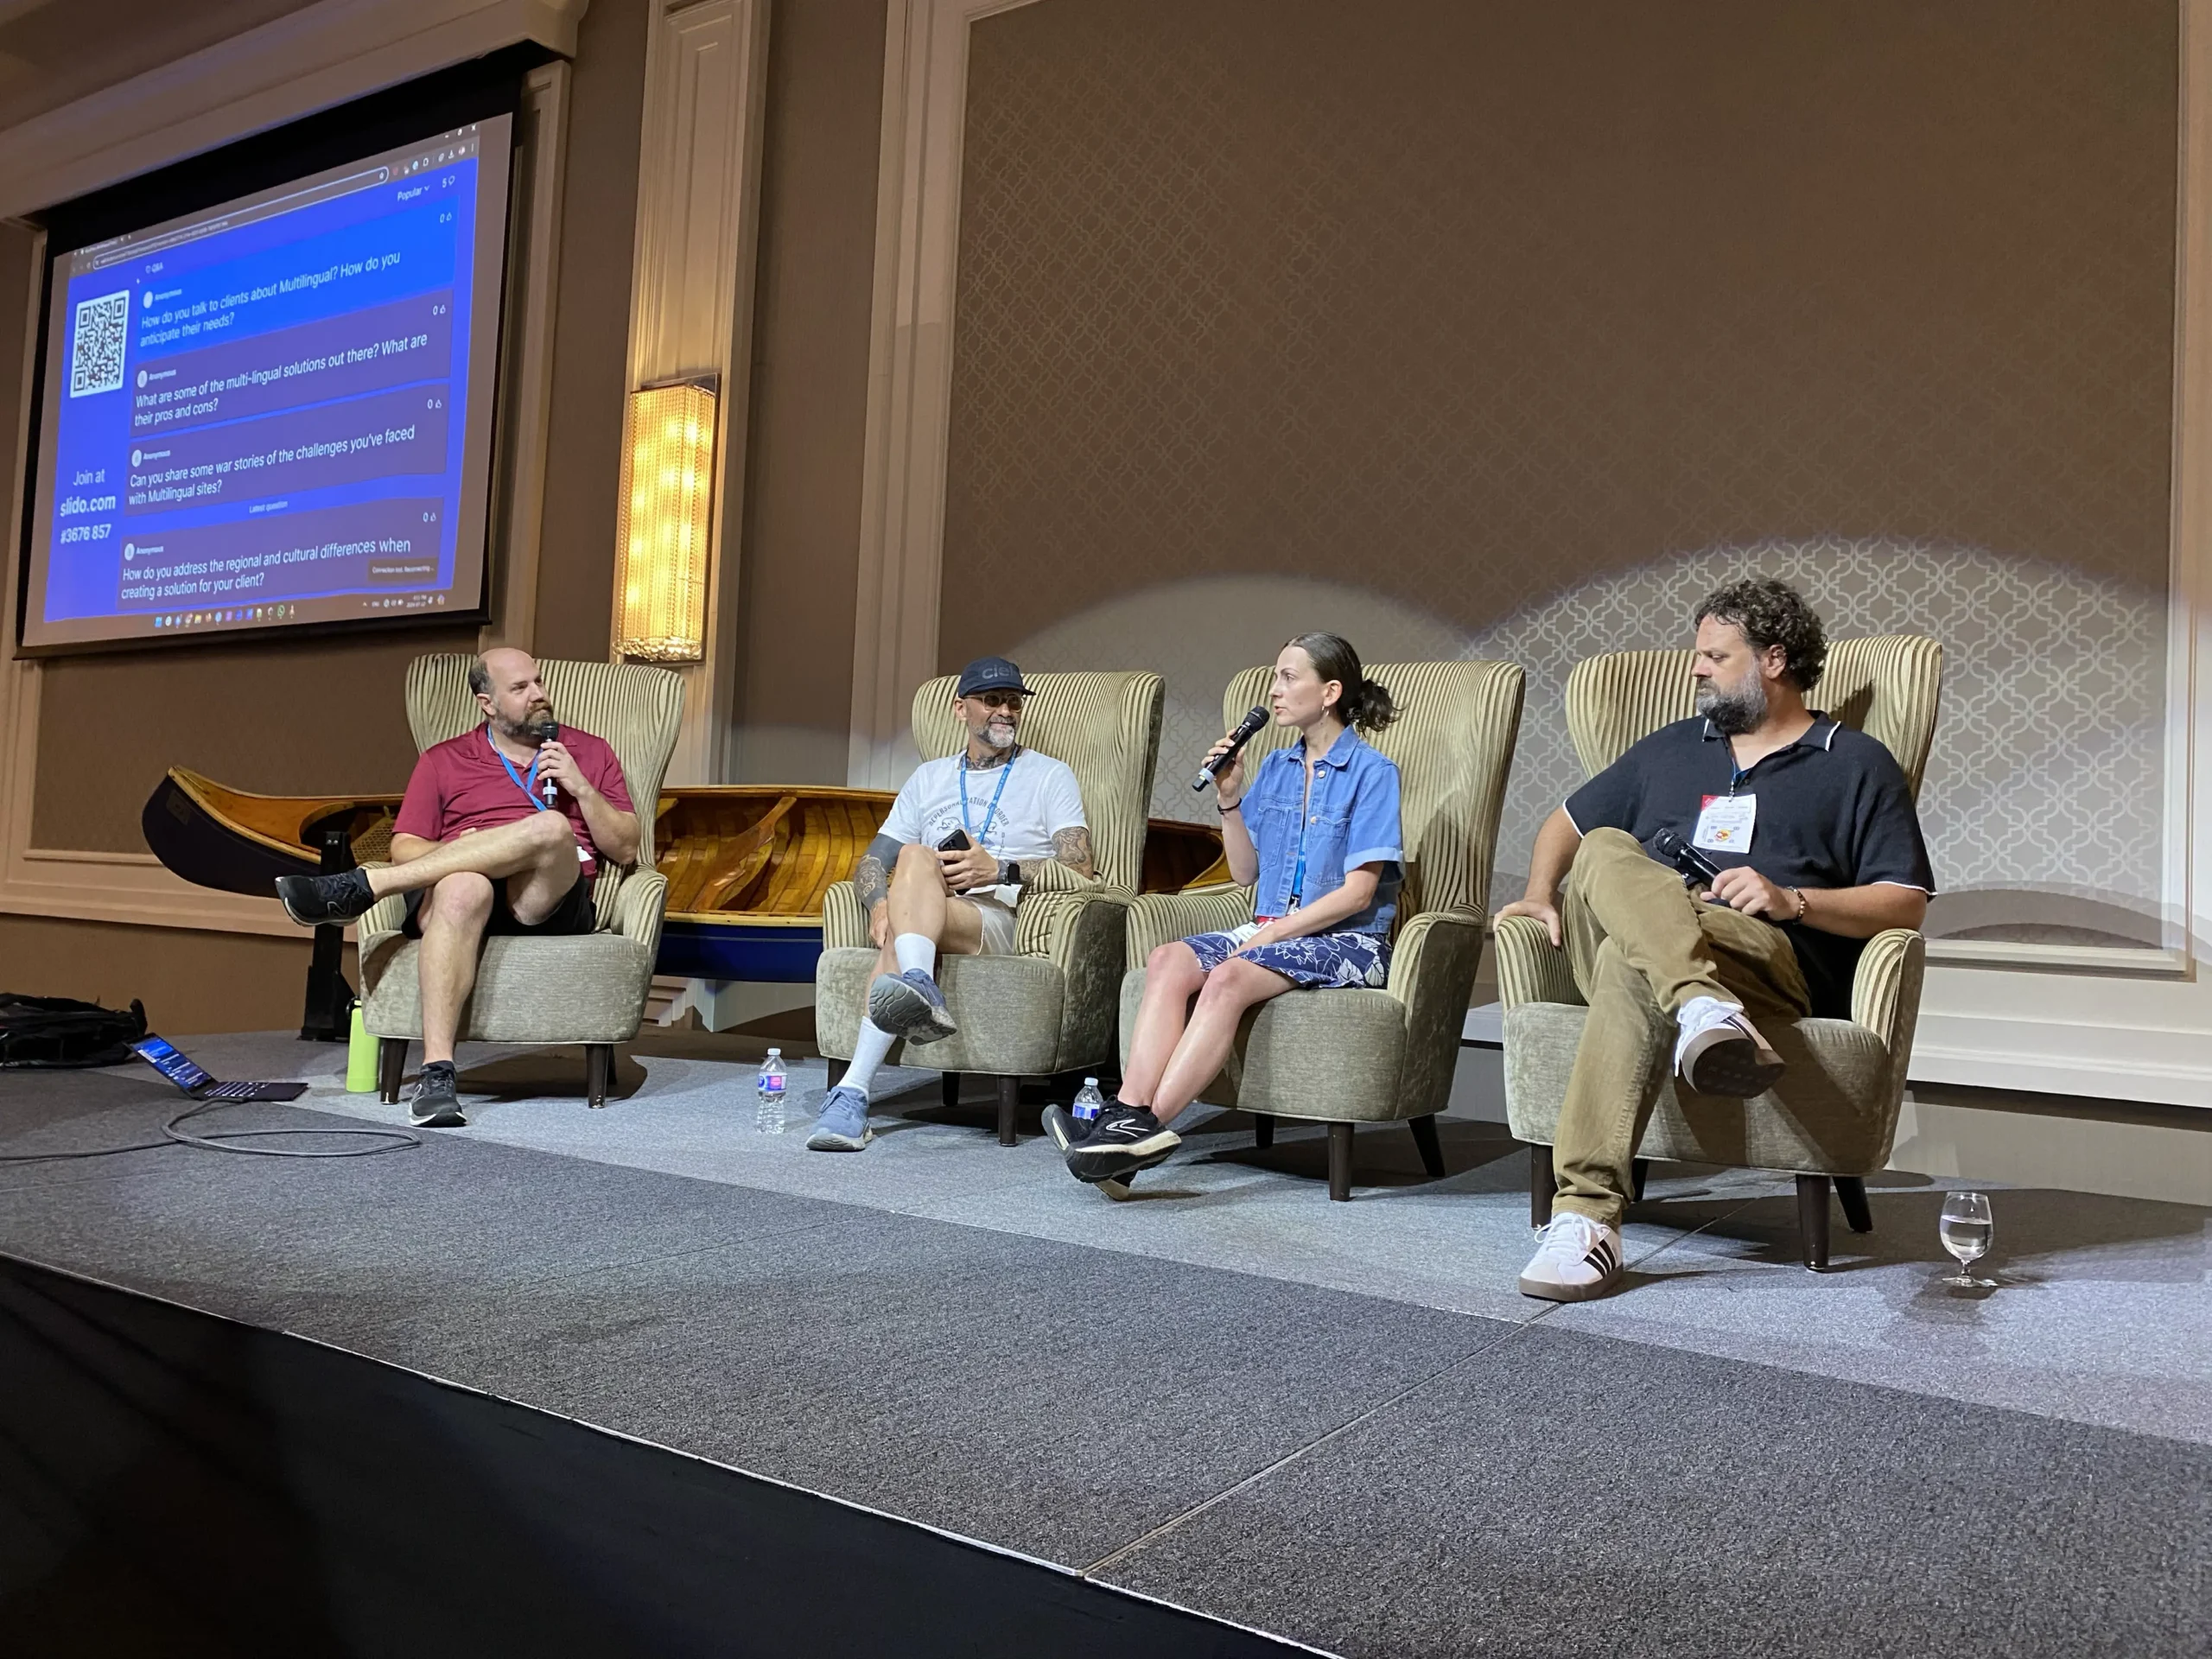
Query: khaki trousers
(1641, 947)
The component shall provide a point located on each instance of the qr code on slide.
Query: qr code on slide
(95, 351)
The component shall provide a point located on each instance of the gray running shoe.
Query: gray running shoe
(910, 1005)
(436, 1104)
(842, 1126)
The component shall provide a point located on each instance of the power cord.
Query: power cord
(388, 1140)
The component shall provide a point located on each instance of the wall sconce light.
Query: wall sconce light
(662, 530)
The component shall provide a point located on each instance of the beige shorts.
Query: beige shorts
(997, 919)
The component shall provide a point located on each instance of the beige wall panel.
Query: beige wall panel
(1501, 329)
(810, 388)
(189, 981)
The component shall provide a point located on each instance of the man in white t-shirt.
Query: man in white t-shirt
(946, 873)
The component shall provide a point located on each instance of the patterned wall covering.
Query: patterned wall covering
(1493, 329)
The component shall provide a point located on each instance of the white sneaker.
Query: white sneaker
(1721, 1052)
(1576, 1258)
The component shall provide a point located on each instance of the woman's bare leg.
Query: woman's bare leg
(1238, 984)
(1172, 978)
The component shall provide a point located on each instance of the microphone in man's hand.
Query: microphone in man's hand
(1254, 719)
(1693, 865)
(548, 731)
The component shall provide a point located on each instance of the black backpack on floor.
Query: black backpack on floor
(57, 1031)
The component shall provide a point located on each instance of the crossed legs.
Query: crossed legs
(534, 858)
(1177, 1046)
(1642, 948)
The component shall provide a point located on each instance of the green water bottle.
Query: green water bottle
(361, 1056)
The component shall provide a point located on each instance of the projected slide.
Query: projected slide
(278, 411)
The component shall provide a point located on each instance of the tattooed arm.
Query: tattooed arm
(1072, 847)
(872, 884)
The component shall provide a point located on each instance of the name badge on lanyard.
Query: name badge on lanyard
(1724, 823)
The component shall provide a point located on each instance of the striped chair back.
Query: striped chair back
(635, 707)
(1889, 686)
(1454, 743)
(1105, 727)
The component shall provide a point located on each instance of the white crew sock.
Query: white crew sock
(915, 950)
(868, 1054)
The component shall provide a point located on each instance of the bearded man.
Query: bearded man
(501, 831)
(1812, 828)
(945, 876)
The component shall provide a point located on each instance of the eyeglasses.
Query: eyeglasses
(1000, 699)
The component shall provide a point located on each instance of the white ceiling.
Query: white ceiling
(54, 51)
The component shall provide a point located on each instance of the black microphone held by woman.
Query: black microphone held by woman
(1254, 719)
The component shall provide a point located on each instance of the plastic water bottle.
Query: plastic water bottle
(1088, 1102)
(768, 1117)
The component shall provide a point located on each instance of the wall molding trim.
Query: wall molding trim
(910, 376)
(316, 58)
(691, 296)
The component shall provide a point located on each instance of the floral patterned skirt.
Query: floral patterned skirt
(1319, 961)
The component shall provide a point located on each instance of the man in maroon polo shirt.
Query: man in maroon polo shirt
(501, 831)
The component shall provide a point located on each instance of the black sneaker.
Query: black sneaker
(1124, 1140)
(311, 900)
(435, 1104)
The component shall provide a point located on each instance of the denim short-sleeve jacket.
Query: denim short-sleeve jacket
(1352, 820)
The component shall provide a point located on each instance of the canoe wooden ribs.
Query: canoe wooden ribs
(747, 864)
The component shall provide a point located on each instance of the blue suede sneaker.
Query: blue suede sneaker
(909, 1005)
(842, 1126)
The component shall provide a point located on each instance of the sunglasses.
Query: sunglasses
(999, 700)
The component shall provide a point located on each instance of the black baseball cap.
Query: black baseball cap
(990, 674)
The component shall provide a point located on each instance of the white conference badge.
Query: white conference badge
(1724, 825)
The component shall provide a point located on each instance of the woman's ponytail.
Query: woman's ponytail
(1365, 703)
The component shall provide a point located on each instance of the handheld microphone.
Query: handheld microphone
(1693, 865)
(1245, 728)
(548, 731)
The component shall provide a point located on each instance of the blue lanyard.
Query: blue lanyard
(1007, 772)
(1305, 821)
(528, 785)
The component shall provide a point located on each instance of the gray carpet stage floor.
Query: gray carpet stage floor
(1334, 1422)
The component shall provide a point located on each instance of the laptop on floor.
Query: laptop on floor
(195, 1082)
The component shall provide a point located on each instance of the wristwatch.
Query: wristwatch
(1009, 872)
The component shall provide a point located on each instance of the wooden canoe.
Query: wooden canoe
(747, 864)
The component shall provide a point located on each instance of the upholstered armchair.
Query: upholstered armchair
(1834, 1114)
(590, 988)
(1049, 1007)
(1349, 1057)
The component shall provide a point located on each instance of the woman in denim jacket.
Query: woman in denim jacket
(1317, 835)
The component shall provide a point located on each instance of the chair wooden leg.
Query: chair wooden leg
(1851, 1193)
(1543, 1184)
(1264, 1131)
(1340, 1162)
(948, 1088)
(1812, 1220)
(837, 1070)
(1640, 1171)
(599, 1071)
(391, 1067)
(1432, 1149)
(1009, 1103)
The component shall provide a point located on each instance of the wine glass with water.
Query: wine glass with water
(1965, 1228)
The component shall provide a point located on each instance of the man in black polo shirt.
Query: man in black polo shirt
(1812, 828)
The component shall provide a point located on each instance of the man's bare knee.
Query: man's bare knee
(460, 899)
(549, 831)
(917, 862)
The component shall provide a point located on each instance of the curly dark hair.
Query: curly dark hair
(1772, 612)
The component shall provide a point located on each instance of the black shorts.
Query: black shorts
(573, 915)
